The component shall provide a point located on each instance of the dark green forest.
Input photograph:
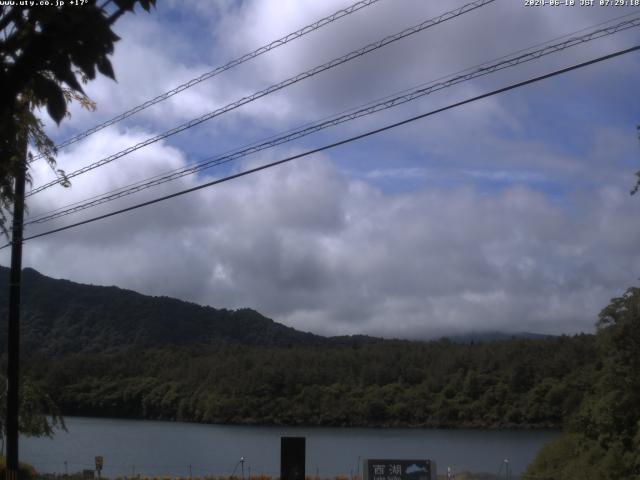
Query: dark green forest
(601, 439)
(61, 317)
(112, 352)
(532, 383)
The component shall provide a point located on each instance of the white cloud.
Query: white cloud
(308, 246)
(511, 213)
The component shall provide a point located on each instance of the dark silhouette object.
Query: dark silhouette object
(292, 458)
(46, 53)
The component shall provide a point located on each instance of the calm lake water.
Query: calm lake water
(173, 449)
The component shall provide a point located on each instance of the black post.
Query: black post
(292, 458)
(13, 336)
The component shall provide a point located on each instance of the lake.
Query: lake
(150, 448)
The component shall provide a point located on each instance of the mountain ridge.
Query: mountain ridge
(60, 316)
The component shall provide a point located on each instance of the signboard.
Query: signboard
(99, 462)
(399, 469)
(292, 458)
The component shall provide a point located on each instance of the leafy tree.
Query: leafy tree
(603, 438)
(46, 52)
(27, 472)
(39, 414)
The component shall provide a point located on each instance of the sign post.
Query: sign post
(376, 469)
(99, 463)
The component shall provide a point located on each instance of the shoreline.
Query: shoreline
(378, 426)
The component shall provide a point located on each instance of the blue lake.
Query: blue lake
(149, 448)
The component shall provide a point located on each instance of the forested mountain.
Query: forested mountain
(104, 351)
(533, 383)
(113, 352)
(60, 317)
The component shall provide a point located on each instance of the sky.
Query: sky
(511, 213)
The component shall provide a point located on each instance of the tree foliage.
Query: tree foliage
(46, 52)
(59, 316)
(26, 471)
(602, 440)
(39, 414)
(112, 352)
(392, 383)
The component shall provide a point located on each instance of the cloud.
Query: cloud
(306, 245)
(468, 40)
(511, 213)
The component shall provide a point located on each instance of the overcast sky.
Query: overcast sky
(512, 213)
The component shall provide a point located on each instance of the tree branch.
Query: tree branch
(8, 18)
(115, 16)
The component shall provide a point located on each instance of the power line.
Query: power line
(527, 49)
(336, 144)
(207, 163)
(273, 88)
(313, 128)
(218, 70)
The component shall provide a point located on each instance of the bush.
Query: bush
(26, 471)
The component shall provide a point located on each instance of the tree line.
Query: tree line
(601, 439)
(516, 383)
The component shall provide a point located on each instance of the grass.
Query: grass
(78, 476)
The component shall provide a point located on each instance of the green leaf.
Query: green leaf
(105, 68)
(49, 92)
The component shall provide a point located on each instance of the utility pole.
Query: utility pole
(13, 334)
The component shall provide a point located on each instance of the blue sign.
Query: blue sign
(376, 469)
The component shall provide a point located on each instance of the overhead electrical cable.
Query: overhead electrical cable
(336, 144)
(333, 121)
(273, 88)
(206, 161)
(218, 70)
